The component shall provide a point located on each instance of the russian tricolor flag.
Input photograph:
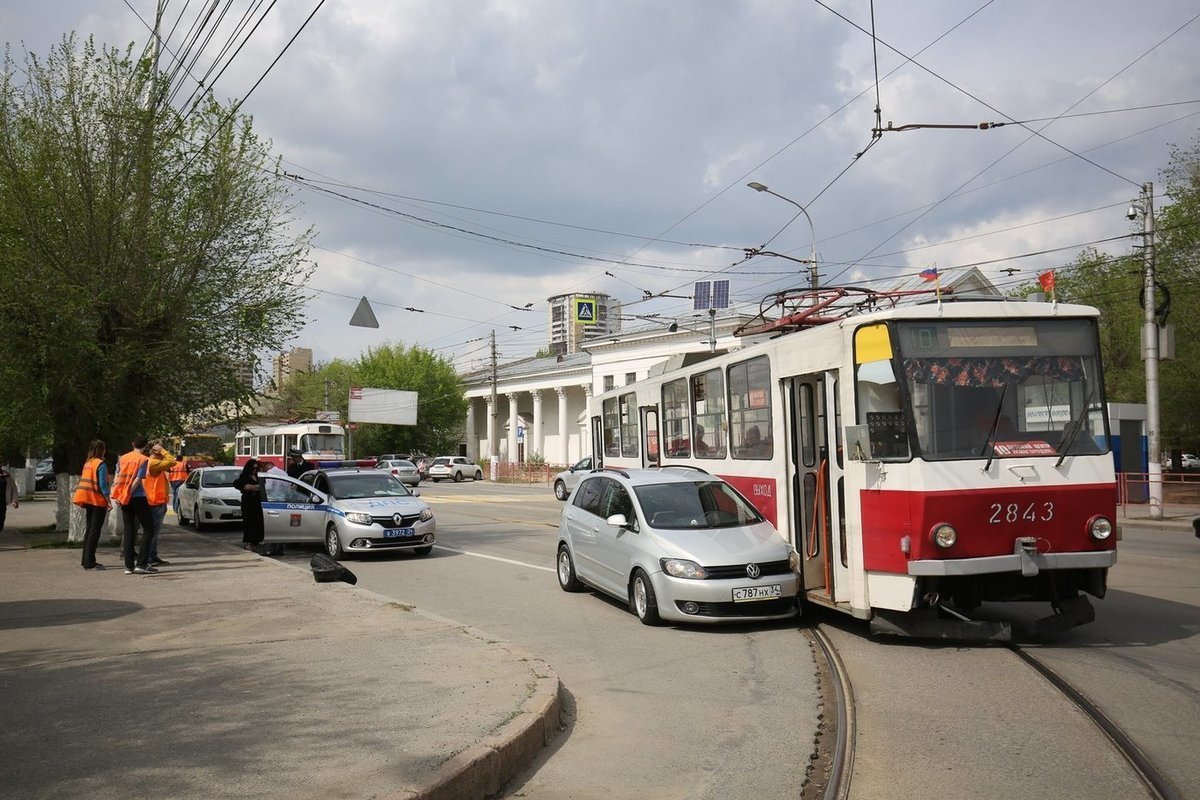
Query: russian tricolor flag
(930, 274)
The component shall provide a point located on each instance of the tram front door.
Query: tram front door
(815, 470)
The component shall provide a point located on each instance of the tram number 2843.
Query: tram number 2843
(1015, 512)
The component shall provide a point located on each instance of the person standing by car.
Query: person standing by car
(252, 518)
(157, 495)
(8, 491)
(297, 464)
(130, 495)
(92, 496)
(176, 477)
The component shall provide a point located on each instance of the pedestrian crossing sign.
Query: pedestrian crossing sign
(585, 310)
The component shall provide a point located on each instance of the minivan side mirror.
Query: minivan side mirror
(620, 521)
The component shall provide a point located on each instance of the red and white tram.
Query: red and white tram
(921, 458)
(321, 442)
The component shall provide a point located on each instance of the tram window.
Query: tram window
(612, 428)
(708, 403)
(879, 409)
(750, 409)
(807, 426)
(676, 419)
(627, 408)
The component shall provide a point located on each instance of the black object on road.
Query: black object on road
(326, 570)
(1196, 526)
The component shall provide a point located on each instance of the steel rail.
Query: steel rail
(841, 764)
(1154, 780)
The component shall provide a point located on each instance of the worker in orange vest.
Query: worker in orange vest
(92, 496)
(157, 494)
(130, 495)
(176, 477)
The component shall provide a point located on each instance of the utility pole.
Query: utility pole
(1150, 355)
(493, 428)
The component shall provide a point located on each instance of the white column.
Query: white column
(512, 428)
(491, 428)
(472, 434)
(536, 443)
(564, 438)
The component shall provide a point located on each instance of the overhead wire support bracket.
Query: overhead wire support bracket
(982, 126)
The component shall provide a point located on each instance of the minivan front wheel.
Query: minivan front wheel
(643, 599)
(567, 580)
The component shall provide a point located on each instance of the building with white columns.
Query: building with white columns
(541, 403)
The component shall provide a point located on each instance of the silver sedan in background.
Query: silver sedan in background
(405, 471)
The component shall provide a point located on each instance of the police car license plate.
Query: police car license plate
(750, 593)
(395, 533)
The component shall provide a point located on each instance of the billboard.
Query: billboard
(386, 406)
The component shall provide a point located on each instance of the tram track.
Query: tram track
(1156, 783)
(829, 774)
(833, 762)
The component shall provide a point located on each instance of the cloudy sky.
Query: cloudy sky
(471, 159)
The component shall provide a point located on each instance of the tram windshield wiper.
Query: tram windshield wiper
(1072, 430)
(989, 445)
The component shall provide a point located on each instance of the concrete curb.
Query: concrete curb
(482, 770)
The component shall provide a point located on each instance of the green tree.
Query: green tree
(1114, 285)
(144, 253)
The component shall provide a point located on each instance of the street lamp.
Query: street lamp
(812, 261)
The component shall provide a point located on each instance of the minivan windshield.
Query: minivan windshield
(700, 505)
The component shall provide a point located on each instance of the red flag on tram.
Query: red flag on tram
(1046, 279)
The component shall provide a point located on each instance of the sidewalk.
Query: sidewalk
(232, 675)
(1174, 515)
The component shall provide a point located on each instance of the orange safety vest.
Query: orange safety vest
(179, 472)
(87, 493)
(127, 470)
(156, 488)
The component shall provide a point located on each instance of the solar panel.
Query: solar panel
(720, 297)
(703, 295)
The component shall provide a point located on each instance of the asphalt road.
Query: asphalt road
(698, 712)
(730, 711)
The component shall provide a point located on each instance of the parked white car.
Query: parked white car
(208, 497)
(454, 468)
(565, 481)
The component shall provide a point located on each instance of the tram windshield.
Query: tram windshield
(987, 389)
(321, 442)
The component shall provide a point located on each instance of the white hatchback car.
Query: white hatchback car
(676, 544)
(565, 481)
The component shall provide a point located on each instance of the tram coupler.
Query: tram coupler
(1026, 548)
(926, 623)
(1070, 613)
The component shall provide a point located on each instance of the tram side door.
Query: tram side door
(816, 483)
(649, 427)
(597, 443)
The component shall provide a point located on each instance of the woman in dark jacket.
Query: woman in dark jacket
(252, 518)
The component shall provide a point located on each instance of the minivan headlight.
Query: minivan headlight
(682, 568)
(358, 517)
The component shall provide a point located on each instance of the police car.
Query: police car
(351, 511)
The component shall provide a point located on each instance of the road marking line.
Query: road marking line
(493, 558)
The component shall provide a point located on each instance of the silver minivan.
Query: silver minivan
(676, 544)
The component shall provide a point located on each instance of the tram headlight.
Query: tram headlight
(1100, 528)
(943, 535)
